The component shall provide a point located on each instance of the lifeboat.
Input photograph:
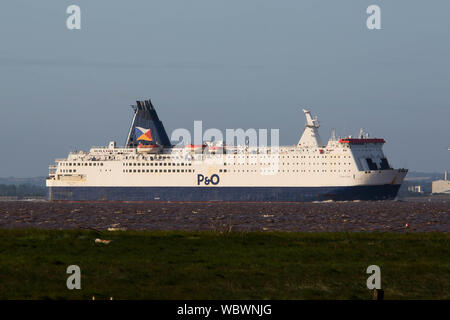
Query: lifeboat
(215, 149)
(196, 147)
(148, 148)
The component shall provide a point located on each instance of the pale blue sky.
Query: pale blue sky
(230, 63)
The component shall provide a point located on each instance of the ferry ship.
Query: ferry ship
(150, 168)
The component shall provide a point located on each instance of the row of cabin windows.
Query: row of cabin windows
(163, 158)
(189, 170)
(131, 164)
(155, 158)
(294, 163)
(183, 164)
(178, 157)
(190, 164)
(291, 171)
(82, 164)
(163, 170)
(294, 157)
(157, 170)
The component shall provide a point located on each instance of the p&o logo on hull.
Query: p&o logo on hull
(214, 179)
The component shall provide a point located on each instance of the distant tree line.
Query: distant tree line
(21, 190)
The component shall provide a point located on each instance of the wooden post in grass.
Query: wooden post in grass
(377, 294)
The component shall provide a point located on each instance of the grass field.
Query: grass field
(212, 265)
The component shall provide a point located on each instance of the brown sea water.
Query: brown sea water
(423, 215)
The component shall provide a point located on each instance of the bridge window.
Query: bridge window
(372, 165)
(384, 164)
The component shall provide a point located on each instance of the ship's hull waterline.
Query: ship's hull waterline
(227, 194)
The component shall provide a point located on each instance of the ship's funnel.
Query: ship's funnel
(146, 127)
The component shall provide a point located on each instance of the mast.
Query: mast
(127, 142)
(310, 136)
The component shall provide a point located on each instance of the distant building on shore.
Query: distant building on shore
(416, 189)
(441, 186)
(8, 198)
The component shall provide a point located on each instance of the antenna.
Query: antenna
(135, 109)
(445, 173)
(310, 122)
(333, 134)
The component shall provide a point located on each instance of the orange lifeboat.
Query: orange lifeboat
(215, 149)
(196, 147)
(148, 148)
